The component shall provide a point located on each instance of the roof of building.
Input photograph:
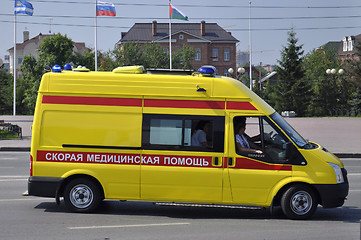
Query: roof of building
(331, 46)
(142, 32)
(37, 38)
(356, 38)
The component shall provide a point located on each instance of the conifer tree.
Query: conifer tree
(292, 91)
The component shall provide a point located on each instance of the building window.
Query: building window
(350, 44)
(198, 54)
(181, 59)
(226, 73)
(344, 44)
(215, 54)
(226, 54)
(181, 37)
(165, 50)
(20, 60)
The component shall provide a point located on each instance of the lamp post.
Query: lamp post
(332, 85)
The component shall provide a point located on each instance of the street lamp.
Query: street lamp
(334, 71)
(240, 71)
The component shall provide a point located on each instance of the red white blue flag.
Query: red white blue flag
(105, 9)
(174, 13)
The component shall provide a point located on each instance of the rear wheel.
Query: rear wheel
(82, 195)
(299, 202)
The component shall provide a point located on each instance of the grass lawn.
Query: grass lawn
(5, 134)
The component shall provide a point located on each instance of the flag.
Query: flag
(105, 9)
(23, 7)
(174, 13)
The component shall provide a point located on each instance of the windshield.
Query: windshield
(295, 136)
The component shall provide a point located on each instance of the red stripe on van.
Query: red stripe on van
(245, 163)
(125, 159)
(163, 103)
(102, 101)
(240, 106)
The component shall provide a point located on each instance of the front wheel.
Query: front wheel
(82, 195)
(299, 202)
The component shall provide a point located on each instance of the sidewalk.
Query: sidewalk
(23, 144)
(341, 136)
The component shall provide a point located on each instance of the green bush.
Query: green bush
(5, 134)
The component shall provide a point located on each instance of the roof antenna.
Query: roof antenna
(50, 23)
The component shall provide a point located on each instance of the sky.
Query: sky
(315, 22)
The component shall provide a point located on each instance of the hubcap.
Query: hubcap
(301, 202)
(81, 196)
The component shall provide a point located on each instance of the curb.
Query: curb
(348, 155)
(14, 149)
(27, 149)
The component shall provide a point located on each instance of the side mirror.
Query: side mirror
(294, 156)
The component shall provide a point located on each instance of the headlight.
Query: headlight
(338, 172)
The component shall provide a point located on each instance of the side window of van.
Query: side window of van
(183, 132)
(274, 142)
(247, 135)
(259, 138)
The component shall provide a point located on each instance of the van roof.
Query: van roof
(150, 85)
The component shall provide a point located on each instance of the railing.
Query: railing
(15, 129)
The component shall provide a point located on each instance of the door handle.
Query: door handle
(230, 161)
(216, 161)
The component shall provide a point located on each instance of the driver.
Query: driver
(243, 142)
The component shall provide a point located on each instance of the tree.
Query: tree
(353, 68)
(330, 92)
(355, 103)
(108, 60)
(150, 55)
(154, 56)
(32, 72)
(292, 91)
(130, 54)
(85, 59)
(353, 76)
(182, 57)
(56, 49)
(6, 92)
(269, 94)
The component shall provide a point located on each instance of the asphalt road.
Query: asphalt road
(40, 218)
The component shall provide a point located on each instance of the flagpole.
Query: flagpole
(95, 42)
(14, 67)
(170, 41)
(250, 48)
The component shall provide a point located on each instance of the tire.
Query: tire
(82, 195)
(299, 202)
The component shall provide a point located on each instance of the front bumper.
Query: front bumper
(44, 186)
(333, 195)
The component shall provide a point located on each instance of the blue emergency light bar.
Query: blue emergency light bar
(56, 68)
(207, 70)
(67, 67)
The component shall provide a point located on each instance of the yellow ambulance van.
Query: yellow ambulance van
(172, 138)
